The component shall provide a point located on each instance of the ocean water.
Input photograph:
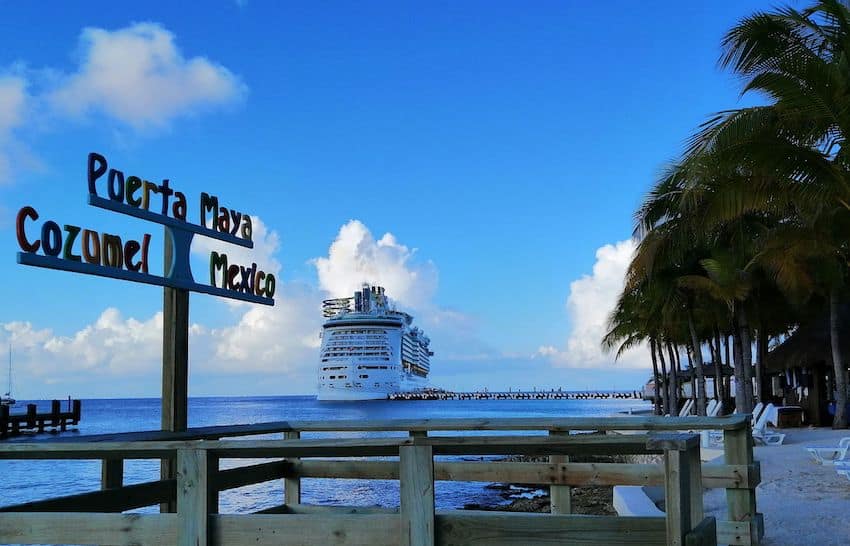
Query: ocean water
(23, 481)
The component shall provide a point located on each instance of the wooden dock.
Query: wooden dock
(516, 395)
(94, 517)
(15, 424)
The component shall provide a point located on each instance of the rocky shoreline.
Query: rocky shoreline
(589, 500)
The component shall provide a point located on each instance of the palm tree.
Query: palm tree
(799, 59)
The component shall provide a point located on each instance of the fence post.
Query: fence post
(192, 496)
(560, 501)
(111, 473)
(741, 503)
(682, 483)
(292, 485)
(416, 476)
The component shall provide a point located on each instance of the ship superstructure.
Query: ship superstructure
(369, 349)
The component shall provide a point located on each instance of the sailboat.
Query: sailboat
(6, 399)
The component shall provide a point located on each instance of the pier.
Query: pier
(516, 395)
(414, 457)
(15, 424)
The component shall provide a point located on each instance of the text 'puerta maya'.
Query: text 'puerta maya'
(83, 250)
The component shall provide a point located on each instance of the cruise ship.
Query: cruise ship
(369, 349)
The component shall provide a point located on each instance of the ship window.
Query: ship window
(364, 376)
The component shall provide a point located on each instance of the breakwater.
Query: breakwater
(517, 395)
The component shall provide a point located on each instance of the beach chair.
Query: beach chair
(757, 411)
(831, 455)
(715, 411)
(686, 409)
(710, 407)
(760, 432)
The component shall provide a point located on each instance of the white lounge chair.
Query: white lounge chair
(757, 411)
(686, 409)
(760, 432)
(830, 455)
(715, 411)
(710, 407)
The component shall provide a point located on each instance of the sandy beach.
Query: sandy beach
(802, 502)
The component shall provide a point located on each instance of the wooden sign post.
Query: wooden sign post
(71, 248)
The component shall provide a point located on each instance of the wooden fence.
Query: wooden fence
(93, 518)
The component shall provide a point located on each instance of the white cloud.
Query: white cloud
(111, 346)
(276, 346)
(590, 302)
(13, 102)
(137, 75)
(356, 257)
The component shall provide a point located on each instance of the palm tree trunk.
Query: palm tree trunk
(719, 387)
(838, 365)
(665, 394)
(656, 397)
(737, 351)
(699, 388)
(761, 353)
(747, 353)
(674, 380)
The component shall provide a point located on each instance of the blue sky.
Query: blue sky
(507, 143)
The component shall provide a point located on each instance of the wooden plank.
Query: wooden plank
(213, 464)
(292, 484)
(416, 477)
(241, 476)
(741, 503)
(192, 497)
(573, 474)
(639, 423)
(443, 445)
(75, 528)
(331, 510)
(175, 349)
(470, 528)
(228, 448)
(677, 496)
(666, 441)
(694, 485)
(704, 534)
(110, 500)
(560, 496)
(111, 473)
(306, 530)
(735, 533)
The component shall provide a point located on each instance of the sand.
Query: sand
(802, 502)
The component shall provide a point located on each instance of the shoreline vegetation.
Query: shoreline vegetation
(744, 239)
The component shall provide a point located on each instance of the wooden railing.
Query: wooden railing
(199, 450)
(416, 523)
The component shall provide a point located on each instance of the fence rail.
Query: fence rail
(199, 481)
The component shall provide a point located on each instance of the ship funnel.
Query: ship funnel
(366, 300)
(358, 302)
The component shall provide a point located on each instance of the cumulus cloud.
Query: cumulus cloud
(140, 77)
(356, 257)
(590, 301)
(112, 346)
(277, 345)
(13, 100)
(135, 76)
